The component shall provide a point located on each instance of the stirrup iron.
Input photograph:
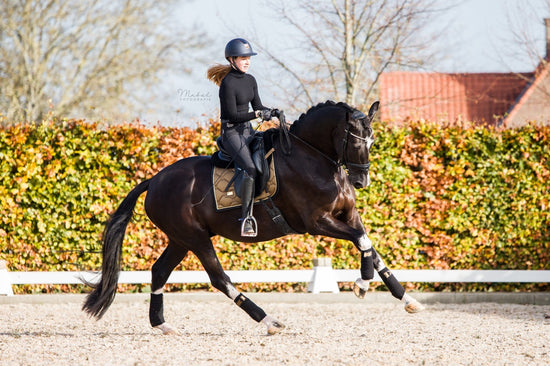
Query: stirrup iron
(249, 220)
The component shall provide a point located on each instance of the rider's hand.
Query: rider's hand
(264, 114)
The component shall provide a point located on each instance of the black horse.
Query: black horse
(315, 195)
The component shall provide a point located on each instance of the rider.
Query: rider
(238, 90)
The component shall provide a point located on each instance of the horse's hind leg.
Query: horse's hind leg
(169, 259)
(221, 281)
(396, 289)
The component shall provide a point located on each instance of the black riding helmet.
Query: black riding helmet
(238, 47)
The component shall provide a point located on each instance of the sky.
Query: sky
(477, 36)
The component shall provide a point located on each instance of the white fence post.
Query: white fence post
(5, 283)
(323, 279)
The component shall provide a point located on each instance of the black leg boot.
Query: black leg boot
(248, 226)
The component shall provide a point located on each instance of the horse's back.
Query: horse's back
(181, 172)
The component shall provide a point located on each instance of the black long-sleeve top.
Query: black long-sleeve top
(237, 91)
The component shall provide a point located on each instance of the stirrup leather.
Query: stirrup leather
(249, 233)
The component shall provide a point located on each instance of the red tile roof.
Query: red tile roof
(449, 97)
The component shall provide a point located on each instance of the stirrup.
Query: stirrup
(254, 232)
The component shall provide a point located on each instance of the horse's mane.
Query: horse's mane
(294, 126)
(328, 103)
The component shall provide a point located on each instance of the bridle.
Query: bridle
(343, 161)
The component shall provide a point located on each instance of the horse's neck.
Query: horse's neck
(318, 134)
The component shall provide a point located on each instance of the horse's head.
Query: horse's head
(340, 133)
(357, 141)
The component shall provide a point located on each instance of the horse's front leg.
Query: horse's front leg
(367, 266)
(370, 260)
(396, 289)
(353, 230)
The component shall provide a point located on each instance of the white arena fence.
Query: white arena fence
(322, 278)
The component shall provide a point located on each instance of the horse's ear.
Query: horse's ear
(373, 109)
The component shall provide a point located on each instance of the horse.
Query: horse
(333, 140)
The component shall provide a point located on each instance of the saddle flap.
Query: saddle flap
(225, 199)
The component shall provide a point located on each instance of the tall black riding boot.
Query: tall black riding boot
(248, 226)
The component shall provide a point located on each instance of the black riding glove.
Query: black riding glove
(264, 114)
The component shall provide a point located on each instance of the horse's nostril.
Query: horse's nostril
(358, 185)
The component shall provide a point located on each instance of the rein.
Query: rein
(286, 146)
(336, 163)
(284, 133)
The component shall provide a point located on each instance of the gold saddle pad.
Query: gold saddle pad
(229, 199)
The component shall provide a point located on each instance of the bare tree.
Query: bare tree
(525, 42)
(528, 39)
(528, 42)
(344, 45)
(85, 58)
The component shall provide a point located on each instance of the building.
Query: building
(508, 99)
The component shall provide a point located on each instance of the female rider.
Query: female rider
(238, 90)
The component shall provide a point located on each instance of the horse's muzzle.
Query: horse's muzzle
(360, 180)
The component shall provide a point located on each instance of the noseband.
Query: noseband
(363, 167)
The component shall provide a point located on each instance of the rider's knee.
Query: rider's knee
(251, 171)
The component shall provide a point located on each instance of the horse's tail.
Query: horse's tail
(103, 294)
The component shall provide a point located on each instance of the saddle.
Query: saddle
(227, 176)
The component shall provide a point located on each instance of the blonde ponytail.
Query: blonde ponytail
(217, 72)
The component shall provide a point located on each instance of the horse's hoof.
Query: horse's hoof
(167, 329)
(275, 327)
(413, 307)
(360, 288)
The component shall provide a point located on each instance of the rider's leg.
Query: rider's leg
(247, 197)
(236, 145)
(235, 141)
